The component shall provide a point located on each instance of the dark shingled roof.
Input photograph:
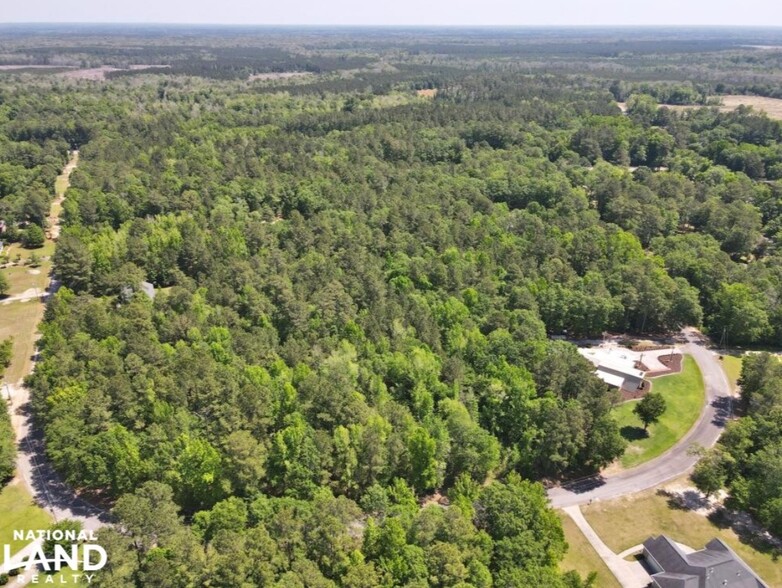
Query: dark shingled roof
(715, 566)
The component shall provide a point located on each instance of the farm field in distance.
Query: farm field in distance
(771, 106)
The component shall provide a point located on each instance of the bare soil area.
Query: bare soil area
(278, 75)
(99, 73)
(771, 106)
(25, 66)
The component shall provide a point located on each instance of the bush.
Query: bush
(33, 237)
(34, 260)
(3, 579)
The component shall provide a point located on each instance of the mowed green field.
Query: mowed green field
(630, 520)
(684, 396)
(732, 366)
(19, 513)
(19, 320)
(582, 557)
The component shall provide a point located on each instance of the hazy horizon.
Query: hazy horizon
(499, 13)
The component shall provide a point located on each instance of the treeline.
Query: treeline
(501, 535)
(747, 461)
(29, 164)
(238, 63)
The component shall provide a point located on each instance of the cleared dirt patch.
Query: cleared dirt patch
(20, 66)
(428, 93)
(99, 73)
(771, 106)
(278, 75)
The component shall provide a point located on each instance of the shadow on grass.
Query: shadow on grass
(747, 532)
(689, 500)
(631, 433)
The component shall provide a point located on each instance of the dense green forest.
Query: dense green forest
(356, 287)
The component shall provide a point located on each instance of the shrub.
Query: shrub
(33, 237)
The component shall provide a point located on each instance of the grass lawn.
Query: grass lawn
(732, 366)
(20, 278)
(61, 184)
(684, 395)
(19, 320)
(17, 512)
(630, 520)
(14, 249)
(582, 558)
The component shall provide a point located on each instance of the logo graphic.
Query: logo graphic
(37, 564)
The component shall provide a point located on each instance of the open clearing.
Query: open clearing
(278, 75)
(22, 280)
(772, 106)
(630, 520)
(19, 320)
(732, 366)
(582, 557)
(729, 103)
(19, 514)
(684, 396)
(99, 73)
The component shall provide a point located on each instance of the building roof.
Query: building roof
(612, 366)
(149, 289)
(610, 379)
(715, 566)
(625, 367)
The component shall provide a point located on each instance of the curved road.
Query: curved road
(38, 475)
(676, 461)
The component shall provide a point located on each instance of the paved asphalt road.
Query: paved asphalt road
(38, 475)
(677, 460)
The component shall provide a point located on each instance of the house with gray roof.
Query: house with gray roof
(715, 566)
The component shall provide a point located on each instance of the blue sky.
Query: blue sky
(400, 12)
